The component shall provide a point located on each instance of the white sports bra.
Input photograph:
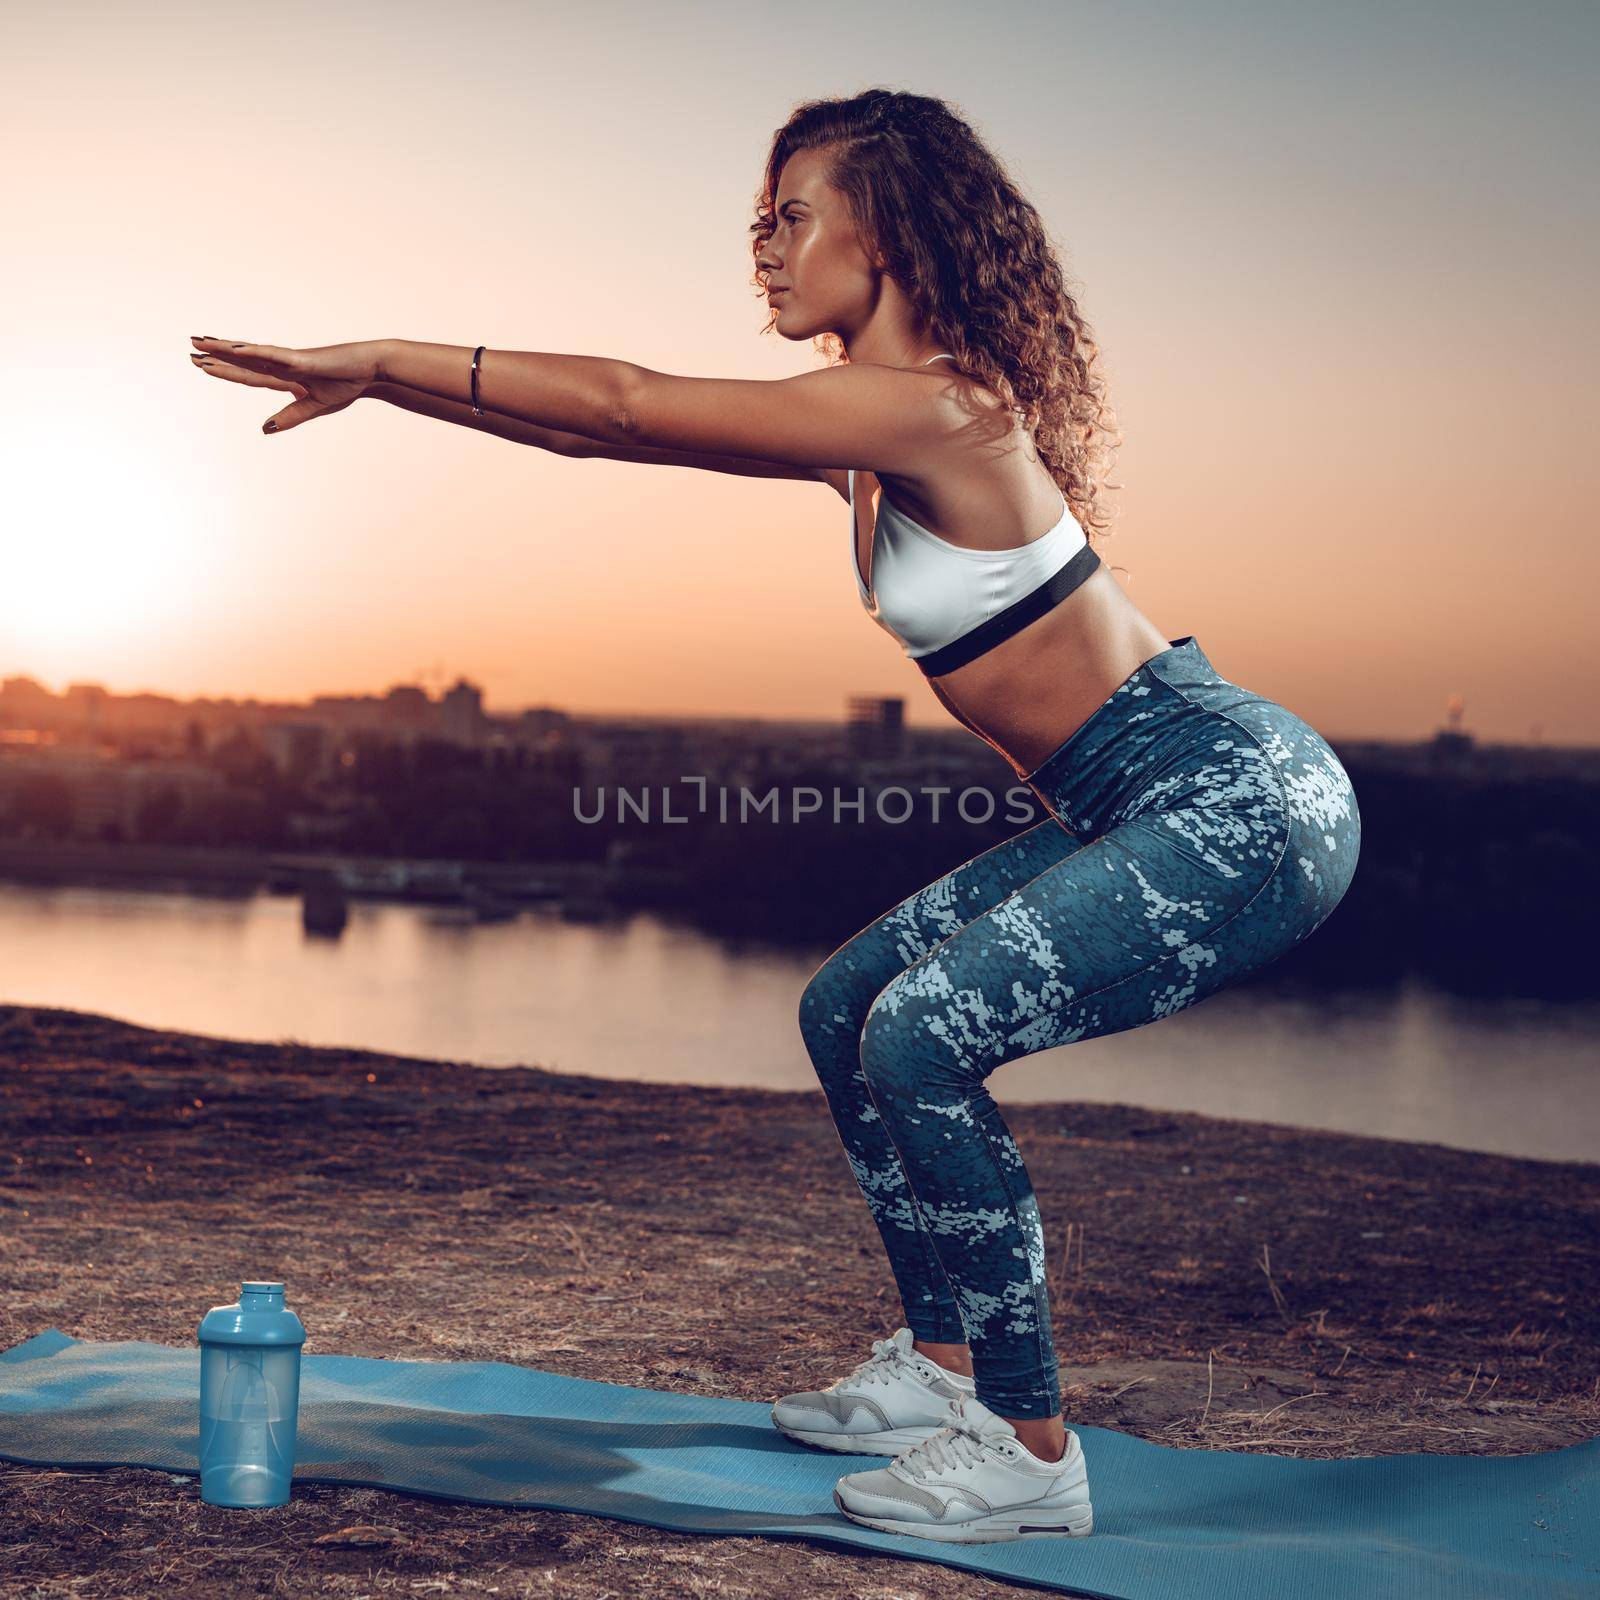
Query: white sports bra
(946, 604)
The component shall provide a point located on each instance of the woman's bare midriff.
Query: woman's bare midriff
(1033, 691)
(1030, 693)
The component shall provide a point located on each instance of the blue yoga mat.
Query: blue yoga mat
(1174, 1524)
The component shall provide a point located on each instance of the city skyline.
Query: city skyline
(438, 691)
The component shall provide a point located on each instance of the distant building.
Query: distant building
(349, 711)
(639, 752)
(102, 797)
(85, 703)
(25, 703)
(461, 715)
(875, 726)
(299, 749)
(538, 723)
(408, 706)
(1452, 744)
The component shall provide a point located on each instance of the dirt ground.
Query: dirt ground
(1216, 1284)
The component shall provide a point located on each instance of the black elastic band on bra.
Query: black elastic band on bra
(1013, 619)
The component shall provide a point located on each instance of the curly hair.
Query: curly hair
(974, 258)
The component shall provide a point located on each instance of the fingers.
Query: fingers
(303, 410)
(258, 352)
(239, 353)
(267, 366)
(234, 373)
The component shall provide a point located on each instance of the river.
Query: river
(642, 999)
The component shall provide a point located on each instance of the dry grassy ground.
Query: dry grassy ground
(1217, 1284)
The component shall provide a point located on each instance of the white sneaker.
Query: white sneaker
(972, 1483)
(896, 1398)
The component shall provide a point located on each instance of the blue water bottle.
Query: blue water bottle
(249, 1398)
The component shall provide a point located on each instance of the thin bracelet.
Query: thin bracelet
(477, 356)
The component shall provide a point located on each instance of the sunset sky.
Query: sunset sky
(1340, 258)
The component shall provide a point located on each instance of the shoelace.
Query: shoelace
(950, 1447)
(881, 1366)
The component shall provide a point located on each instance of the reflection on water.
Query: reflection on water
(642, 999)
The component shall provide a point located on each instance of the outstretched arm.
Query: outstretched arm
(881, 418)
(876, 417)
(576, 445)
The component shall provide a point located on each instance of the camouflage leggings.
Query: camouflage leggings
(1196, 832)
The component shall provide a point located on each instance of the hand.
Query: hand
(322, 381)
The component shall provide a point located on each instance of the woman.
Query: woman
(1195, 830)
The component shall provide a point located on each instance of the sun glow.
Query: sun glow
(96, 541)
